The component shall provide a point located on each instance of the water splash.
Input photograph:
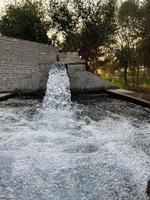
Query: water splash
(58, 95)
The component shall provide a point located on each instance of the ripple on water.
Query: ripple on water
(88, 148)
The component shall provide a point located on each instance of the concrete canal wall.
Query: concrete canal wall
(24, 64)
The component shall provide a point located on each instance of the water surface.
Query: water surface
(99, 150)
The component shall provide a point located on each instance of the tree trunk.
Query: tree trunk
(133, 78)
(126, 77)
(138, 78)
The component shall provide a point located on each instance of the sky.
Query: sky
(4, 2)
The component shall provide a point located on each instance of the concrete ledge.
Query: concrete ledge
(134, 97)
(6, 96)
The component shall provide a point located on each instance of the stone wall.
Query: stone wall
(24, 65)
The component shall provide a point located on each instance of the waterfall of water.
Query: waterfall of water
(58, 95)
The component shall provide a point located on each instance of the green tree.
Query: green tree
(25, 20)
(86, 26)
(145, 43)
(128, 38)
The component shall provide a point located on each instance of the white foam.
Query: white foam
(58, 95)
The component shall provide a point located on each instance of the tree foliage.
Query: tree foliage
(86, 25)
(128, 36)
(145, 34)
(25, 20)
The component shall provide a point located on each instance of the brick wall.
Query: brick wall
(24, 65)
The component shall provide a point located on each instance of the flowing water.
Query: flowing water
(59, 150)
(58, 95)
